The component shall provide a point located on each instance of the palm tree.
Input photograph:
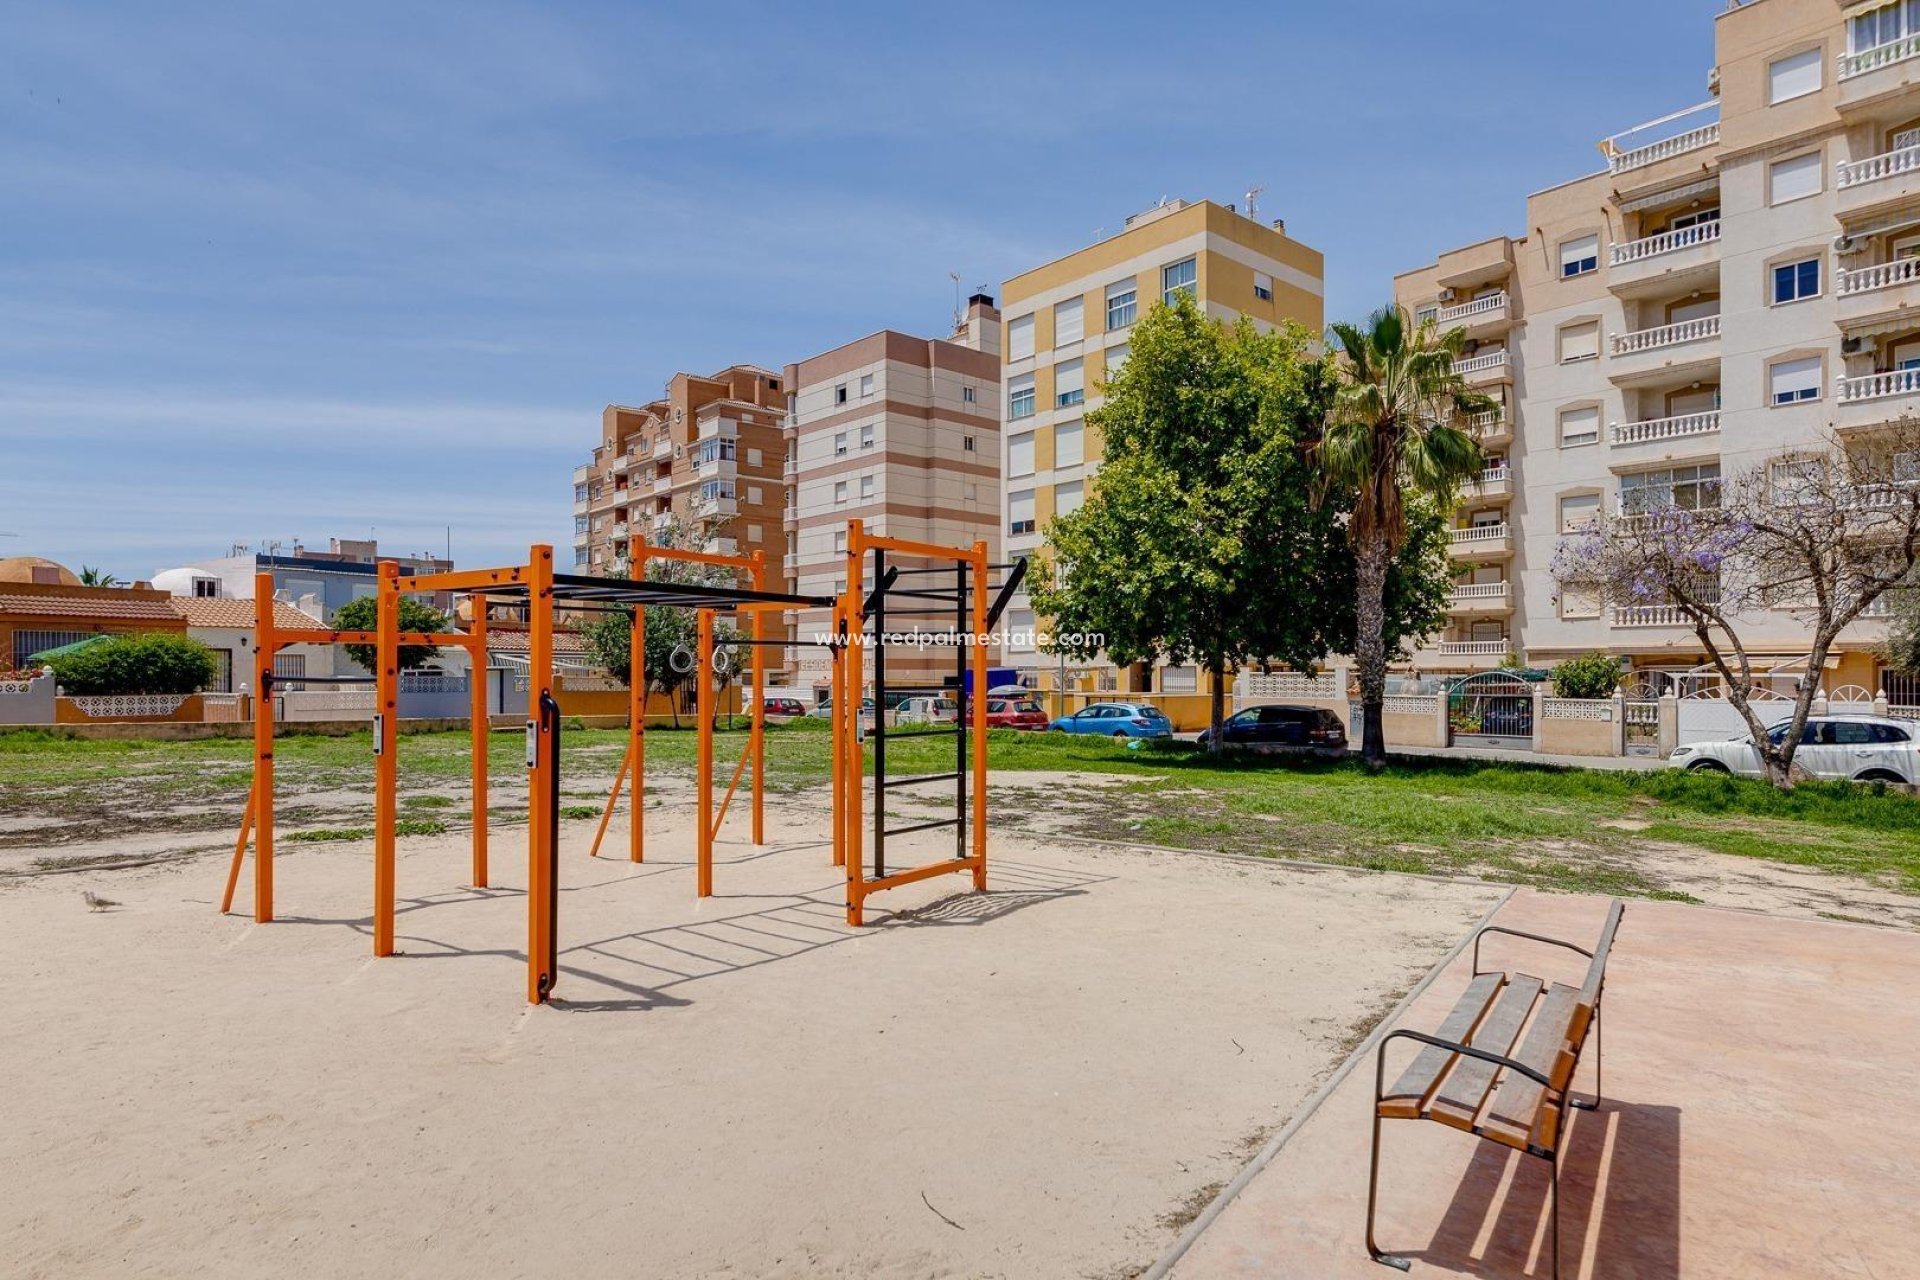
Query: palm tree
(1390, 434)
(91, 577)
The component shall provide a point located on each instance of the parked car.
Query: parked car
(825, 710)
(1282, 728)
(926, 710)
(1117, 720)
(1015, 713)
(1009, 691)
(1863, 748)
(785, 709)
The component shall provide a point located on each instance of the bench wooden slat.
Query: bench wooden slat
(1597, 971)
(1409, 1094)
(1514, 1115)
(1467, 1084)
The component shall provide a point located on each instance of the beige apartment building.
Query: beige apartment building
(902, 433)
(707, 456)
(1067, 330)
(1740, 279)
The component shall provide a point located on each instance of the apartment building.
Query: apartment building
(706, 456)
(1740, 279)
(902, 433)
(1067, 331)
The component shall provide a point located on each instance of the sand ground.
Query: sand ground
(1038, 1082)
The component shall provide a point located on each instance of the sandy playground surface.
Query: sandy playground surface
(1044, 1081)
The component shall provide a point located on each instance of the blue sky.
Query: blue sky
(278, 271)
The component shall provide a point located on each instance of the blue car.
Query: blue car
(1117, 720)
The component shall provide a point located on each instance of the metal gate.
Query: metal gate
(1491, 709)
(1643, 717)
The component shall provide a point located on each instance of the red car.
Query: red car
(1010, 713)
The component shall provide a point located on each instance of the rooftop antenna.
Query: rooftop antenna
(957, 317)
(1253, 197)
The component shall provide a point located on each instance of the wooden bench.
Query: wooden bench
(1469, 1073)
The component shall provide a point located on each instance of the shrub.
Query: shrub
(154, 662)
(1593, 675)
(364, 615)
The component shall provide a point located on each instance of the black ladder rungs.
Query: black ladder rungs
(887, 784)
(892, 734)
(922, 826)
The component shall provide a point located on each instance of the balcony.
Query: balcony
(1670, 262)
(1482, 315)
(1876, 182)
(714, 468)
(1480, 541)
(1671, 351)
(1653, 153)
(1656, 430)
(1875, 398)
(1476, 264)
(1474, 648)
(717, 429)
(1870, 75)
(792, 467)
(662, 521)
(1650, 615)
(663, 485)
(1492, 483)
(1482, 597)
(721, 547)
(1876, 295)
(1484, 369)
(709, 508)
(1491, 429)
(662, 448)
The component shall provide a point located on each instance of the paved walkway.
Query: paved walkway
(1759, 1121)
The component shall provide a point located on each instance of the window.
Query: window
(1580, 342)
(1428, 313)
(839, 493)
(1577, 257)
(1670, 489)
(1017, 624)
(1069, 321)
(1122, 303)
(580, 493)
(966, 444)
(1020, 397)
(1794, 76)
(1883, 25)
(1020, 454)
(1020, 511)
(1179, 679)
(1069, 383)
(755, 457)
(290, 667)
(866, 486)
(1263, 286)
(1177, 278)
(840, 542)
(1791, 381)
(579, 555)
(839, 444)
(866, 436)
(753, 533)
(1116, 357)
(579, 526)
(1579, 511)
(866, 385)
(1794, 178)
(1069, 444)
(1579, 426)
(966, 395)
(209, 588)
(1067, 498)
(1796, 482)
(754, 494)
(840, 394)
(1020, 337)
(1793, 281)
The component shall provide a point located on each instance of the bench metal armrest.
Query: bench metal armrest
(1530, 937)
(1497, 1059)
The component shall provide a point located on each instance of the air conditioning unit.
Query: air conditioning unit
(1852, 346)
(1446, 295)
(1843, 245)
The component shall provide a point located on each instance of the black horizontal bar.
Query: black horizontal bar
(893, 736)
(922, 826)
(889, 783)
(280, 679)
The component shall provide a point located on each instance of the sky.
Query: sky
(273, 272)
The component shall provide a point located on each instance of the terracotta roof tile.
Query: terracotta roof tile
(516, 641)
(89, 607)
(199, 611)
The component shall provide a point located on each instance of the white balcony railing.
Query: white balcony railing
(663, 448)
(1667, 335)
(1479, 594)
(1675, 428)
(1883, 275)
(1491, 423)
(1475, 648)
(1478, 535)
(1493, 476)
(662, 520)
(1664, 243)
(1881, 55)
(1650, 615)
(1483, 362)
(1478, 307)
(1888, 164)
(1665, 149)
(1878, 386)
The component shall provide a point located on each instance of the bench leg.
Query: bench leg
(1554, 1192)
(1598, 1058)
(1373, 1168)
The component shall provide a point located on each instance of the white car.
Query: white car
(1862, 748)
(927, 711)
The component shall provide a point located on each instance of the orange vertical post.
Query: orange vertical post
(836, 703)
(758, 732)
(542, 892)
(386, 765)
(703, 767)
(477, 681)
(978, 704)
(265, 644)
(637, 714)
(855, 774)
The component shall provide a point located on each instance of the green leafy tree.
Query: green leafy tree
(363, 615)
(1201, 543)
(1592, 675)
(92, 577)
(150, 662)
(1391, 433)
